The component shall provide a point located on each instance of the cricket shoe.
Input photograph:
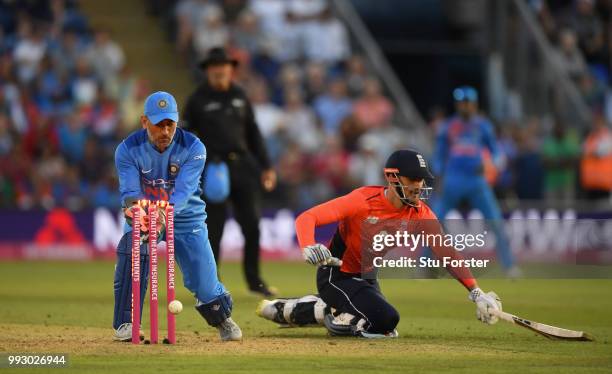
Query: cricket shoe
(343, 324)
(124, 333)
(229, 330)
(261, 289)
(272, 310)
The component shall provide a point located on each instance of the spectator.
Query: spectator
(268, 117)
(28, 53)
(592, 91)
(49, 170)
(84, 85)
(274, 23)
(7, 138)
(290, 77)
(589, 29)
(356, 75)
(263, 62)
(316, 80)
(105, 193)
(104, 117)
(351, 130)
(292, 172)
(72, 135)
(326, 40)
(334, 106)
(51, 87)
(569, 57)
(596, 163)
(373, 109)
(364, 165)
(300, 123)
(233, 9)
(15, 167)
(67, 17)
(92, 162)
(210, 31)
(560, 152)
(330, 164)
(40, 136)
(66, 54)
(246, 34)
(105, 56)
(528, 167)
(69, 191)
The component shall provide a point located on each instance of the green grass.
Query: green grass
(67, 307)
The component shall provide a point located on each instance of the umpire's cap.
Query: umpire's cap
(216, 56)
(408, 163)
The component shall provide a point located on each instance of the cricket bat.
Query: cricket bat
(551, 332)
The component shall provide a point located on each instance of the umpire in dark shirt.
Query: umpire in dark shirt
(219, 113)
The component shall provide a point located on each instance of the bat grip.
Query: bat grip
(503, 315)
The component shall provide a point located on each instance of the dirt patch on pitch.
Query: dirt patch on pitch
(80, 341)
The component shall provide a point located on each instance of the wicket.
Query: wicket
(152, 209)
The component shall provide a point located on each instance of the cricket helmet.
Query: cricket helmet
(410, 164)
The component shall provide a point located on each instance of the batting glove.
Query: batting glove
(316, 254)
(144, 218)
(485, 302)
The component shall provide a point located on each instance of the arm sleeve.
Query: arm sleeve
(188, 180)
(323, 214)
(128, 175)
(441, 150)
(255, 140)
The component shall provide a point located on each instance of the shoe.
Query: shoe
(272, 310)
(124, 333)
(367, 335)
(229, 331)
(261, 289)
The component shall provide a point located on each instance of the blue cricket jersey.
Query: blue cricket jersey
(460, 144)
(173, 175)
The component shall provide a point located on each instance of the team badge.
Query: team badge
(162, 104)
(372, 219)
(421, 161)
(174, 169)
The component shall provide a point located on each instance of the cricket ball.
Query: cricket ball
(175, 307)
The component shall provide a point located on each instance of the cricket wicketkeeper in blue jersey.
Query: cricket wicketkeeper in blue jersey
(163, 162)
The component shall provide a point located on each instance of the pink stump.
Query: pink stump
(170, 272)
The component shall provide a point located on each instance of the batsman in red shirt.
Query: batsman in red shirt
(349, 300)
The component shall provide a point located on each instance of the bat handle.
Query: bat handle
(333, 261)
(503, 315)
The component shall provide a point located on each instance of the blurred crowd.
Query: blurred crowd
(323, 113)
(547, 158)
(66, 99)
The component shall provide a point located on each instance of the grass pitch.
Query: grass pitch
(67, 308)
